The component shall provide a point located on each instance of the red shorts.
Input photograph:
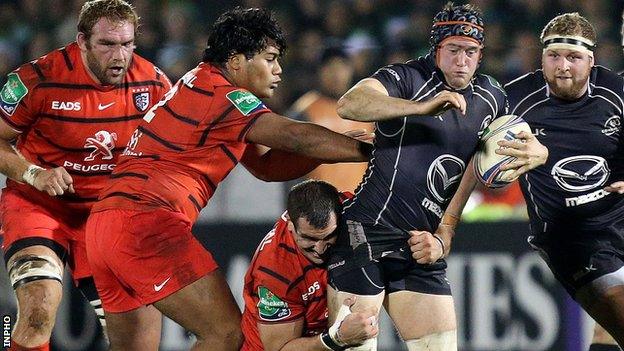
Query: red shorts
(139, 257)
(27, 223)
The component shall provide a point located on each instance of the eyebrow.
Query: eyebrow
(107, 41)
(467, 47)
(335, 232)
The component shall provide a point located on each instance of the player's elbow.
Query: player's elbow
(347, 107)
(351, 106)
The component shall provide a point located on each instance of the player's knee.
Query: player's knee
(39, 319)
(442, 341)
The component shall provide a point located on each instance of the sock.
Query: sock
(17, 347)
(603, 347)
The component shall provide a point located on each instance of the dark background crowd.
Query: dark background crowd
(371, 32)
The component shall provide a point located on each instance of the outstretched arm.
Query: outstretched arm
(273, 165)
(306, 139)
(369, 101)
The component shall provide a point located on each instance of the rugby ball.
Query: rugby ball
(486, 161)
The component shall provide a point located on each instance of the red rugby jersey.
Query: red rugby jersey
(282, 285)
(185, 146)
(67, 119)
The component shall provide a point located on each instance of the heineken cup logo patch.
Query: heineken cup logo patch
(271, 307)
(12, 93)
(244, 101)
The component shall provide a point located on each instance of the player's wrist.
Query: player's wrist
(331, 342)
(30, 174)
(442, 245)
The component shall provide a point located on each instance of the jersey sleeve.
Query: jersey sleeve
(18, 106)
(241, 111)
(400, 80)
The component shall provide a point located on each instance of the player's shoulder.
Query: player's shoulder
(144, 70)
(55, 66)
(278, 248)
(604, 77)
(413, 69)
(490, 84)
(528, 80)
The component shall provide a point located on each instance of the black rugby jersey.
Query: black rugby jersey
(585, 150)
(418, 161)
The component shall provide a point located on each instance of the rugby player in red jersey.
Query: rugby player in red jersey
(286, 284)
(70, 113)
(186, 145)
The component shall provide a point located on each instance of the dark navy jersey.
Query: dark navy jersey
(584, 141)
(418, 161)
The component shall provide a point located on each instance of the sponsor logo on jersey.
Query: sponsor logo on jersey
(311, 290)
(141, 100)
(612, 126)
(66, 105)
(443, 177)
(102, 143)
(587, 198)
(104, 167)
(580, 173)
(244, 101)
(484, 124)
(12, 93)
(271, 307)
(539, 131)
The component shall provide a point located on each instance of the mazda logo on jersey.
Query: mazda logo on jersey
(102, 143)
(444, 173)
(581, 173)
(141, 100)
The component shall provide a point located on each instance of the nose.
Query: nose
(277, 70)
(320, 247)
(461, 58)
(564, 64)
(118, 53)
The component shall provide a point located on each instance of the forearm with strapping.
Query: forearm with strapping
(12, 164)
(452, 214)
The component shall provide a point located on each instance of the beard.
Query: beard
(100, 71)
(568, 91)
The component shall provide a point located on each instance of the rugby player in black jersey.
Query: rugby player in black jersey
(574, 202)
(429, 114)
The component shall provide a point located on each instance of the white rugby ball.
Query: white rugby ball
(487, 162)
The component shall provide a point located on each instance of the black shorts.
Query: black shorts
(392, 275)
(369, 259)
(577, 257)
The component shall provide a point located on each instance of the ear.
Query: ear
(235, 61)
(81, 39)
(592, 61)
(291, 226)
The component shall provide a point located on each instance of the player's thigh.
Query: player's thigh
(417, 314)
(204, 307)
(335, 299)
(607, 308)
(138, 329)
